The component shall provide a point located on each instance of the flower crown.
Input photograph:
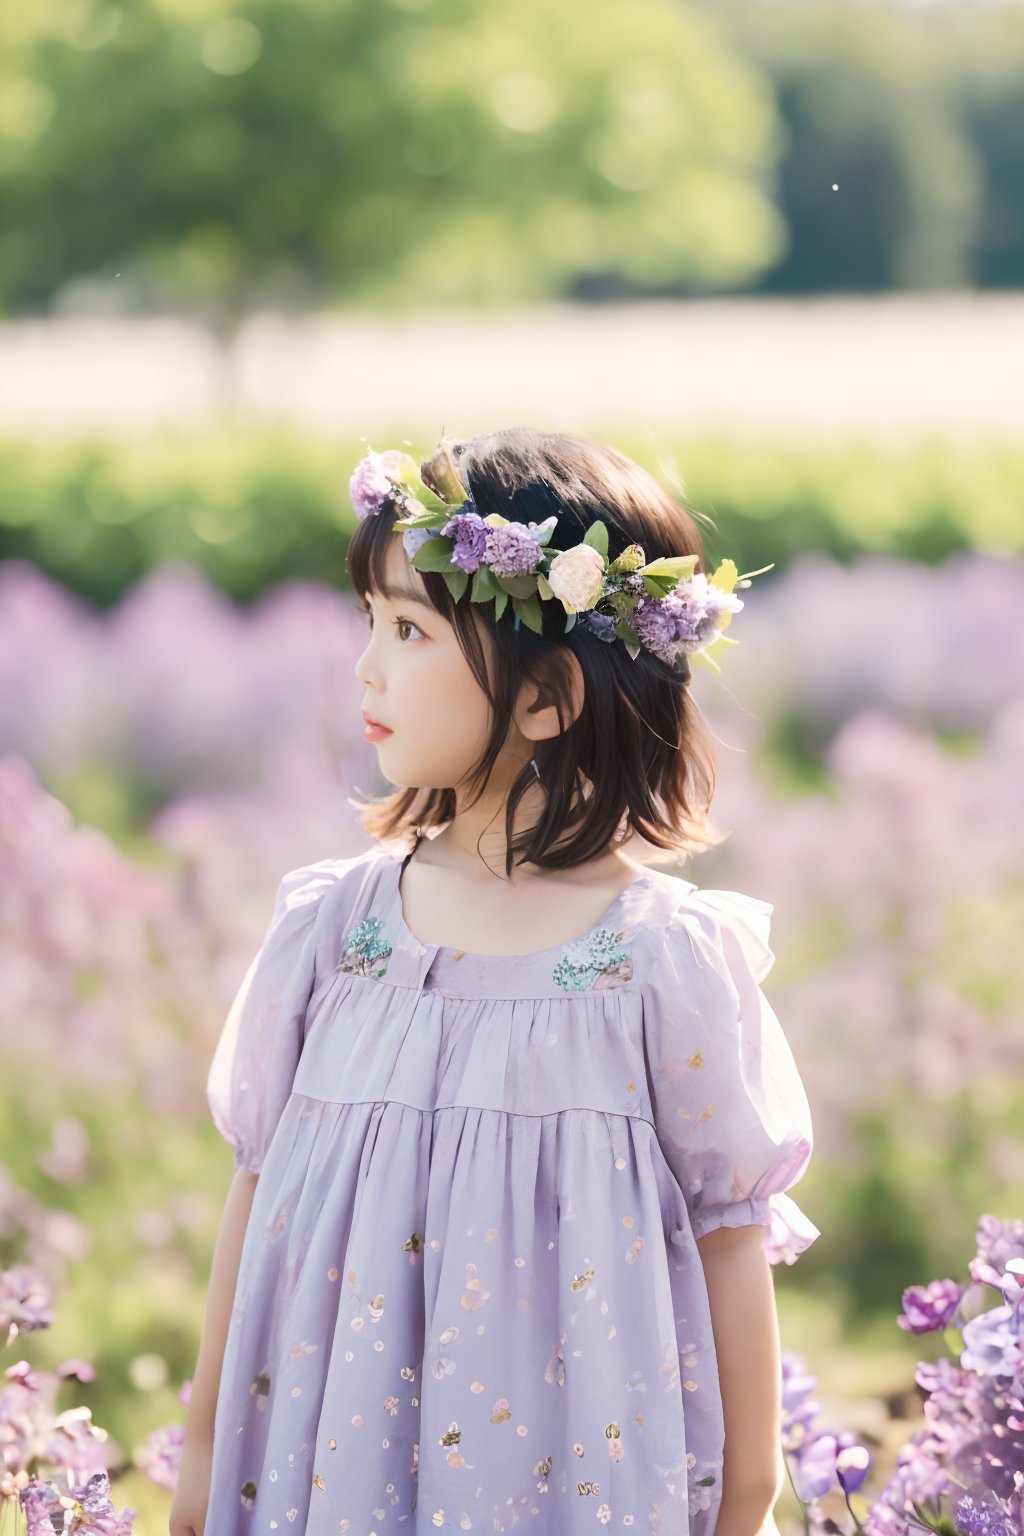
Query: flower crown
(663, 606)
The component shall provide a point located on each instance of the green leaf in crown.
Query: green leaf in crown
(434, 555)
(660, 577)
(485, 585)
(528, 609)
(425, 519)
(519, 586)
(629, 639)
(457, 582)
(597, 537)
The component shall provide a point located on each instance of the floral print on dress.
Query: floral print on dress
(366, 952)
(594, 963)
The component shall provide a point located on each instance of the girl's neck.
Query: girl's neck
(495, 915)
(442, 851)
(474, 839)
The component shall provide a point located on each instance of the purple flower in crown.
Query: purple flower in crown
(685, 620)
(469, 531)
(512, 549)
(369, 486)
(600, 624)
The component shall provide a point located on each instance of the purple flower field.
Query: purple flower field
(161, 765)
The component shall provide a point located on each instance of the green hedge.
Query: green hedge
(253, 508)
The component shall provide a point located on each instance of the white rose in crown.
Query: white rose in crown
(576, 577)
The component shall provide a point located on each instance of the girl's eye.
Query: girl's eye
(400, 623)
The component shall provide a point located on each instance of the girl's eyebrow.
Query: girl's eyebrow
(409, 594)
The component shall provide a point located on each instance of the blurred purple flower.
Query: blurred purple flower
(992, 1344)
(821, 1459)
(927, 1308)
(1013, 1288)
(852, 1464)
(26, 1301)
(997, 1242)
(981, 1513)
(41, 1503)
(798, 1406)
(803, 654)
(79, 1370)
(814, 1472)
(93, 1511)
(369, 486)
(833, 1459)
(159, 1455)
(973, 1434)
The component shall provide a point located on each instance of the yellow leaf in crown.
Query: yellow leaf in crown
(676, 566)
(630, 560)
(725, 576)
(705, 658)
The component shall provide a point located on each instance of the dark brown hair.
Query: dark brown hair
(639, 750)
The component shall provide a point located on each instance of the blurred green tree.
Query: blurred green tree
(383, 152)
(916, 117)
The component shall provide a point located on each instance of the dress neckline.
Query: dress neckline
(604, 921)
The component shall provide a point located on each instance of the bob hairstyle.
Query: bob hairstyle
(659, 779)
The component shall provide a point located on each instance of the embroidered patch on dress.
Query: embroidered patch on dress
(595, 963)
(366, 952)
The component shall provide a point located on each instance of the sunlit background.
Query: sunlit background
(772, 248)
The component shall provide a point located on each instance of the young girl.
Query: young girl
(513, 1120)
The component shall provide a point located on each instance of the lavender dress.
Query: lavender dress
(470, 1297)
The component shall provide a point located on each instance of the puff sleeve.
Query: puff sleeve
(253, 1066)
(730, 1110)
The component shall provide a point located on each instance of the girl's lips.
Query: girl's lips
(374, 732)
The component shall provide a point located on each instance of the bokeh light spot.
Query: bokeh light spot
(524, 101)
(231, 46)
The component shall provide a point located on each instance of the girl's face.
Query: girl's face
(419, 684)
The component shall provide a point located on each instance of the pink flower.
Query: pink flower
(369, 486)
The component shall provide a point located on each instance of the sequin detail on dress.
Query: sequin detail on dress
(366, 952)
(595, 963)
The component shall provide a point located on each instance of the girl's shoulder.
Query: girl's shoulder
(334, 877)
(333, 882)
(690, 924)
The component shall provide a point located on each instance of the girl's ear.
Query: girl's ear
(536, 712)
